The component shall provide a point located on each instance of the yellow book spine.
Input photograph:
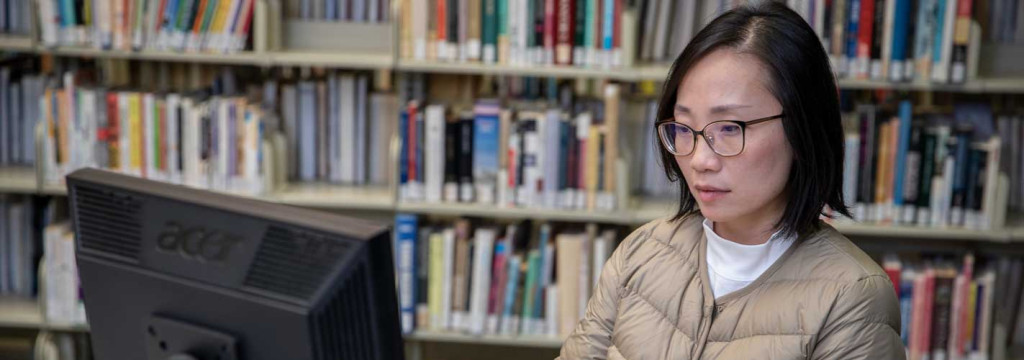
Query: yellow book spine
(222, 14)
(434, 274)
(62, 127)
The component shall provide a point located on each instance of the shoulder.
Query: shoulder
(677, 235)
(831, 254)
(856, 281)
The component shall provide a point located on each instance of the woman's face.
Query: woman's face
(746, 188)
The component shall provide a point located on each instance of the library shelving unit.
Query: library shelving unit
(379, 52)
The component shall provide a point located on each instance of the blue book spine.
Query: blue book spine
(331, 11)
(963, 148)
(67, 13)
(608, 24)
(899, 32)
(940, 19)
(853, 13)
(170, 16)
(406, 228)
(905, 113)
(542, 283)
(403, 155)
(510, 288)
(485, 144)
(906, 308)
(419, 146)
(307, 134)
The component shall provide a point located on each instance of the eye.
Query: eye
(729, 129)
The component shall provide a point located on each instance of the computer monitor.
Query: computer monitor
(170, 272)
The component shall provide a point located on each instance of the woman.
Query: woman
(745, 269)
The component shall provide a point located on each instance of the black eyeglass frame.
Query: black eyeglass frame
(743, 129)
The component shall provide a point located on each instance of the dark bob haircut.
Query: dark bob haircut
(801, 79)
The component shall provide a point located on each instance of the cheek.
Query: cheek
(764, 166)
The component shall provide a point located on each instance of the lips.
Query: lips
(708, 193)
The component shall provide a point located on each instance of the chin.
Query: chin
(717, 214)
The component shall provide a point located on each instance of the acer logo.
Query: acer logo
(318, 247)
(197, 243)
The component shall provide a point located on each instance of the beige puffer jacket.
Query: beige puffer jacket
(823, 299)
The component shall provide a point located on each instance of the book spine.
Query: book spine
(961, 39)
(407, 232)
(900, 37)
(865, 37)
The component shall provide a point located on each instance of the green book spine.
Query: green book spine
(532, 273)
(489, 22)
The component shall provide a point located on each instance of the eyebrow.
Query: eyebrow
(714, 110)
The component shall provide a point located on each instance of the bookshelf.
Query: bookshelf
(27, 314)
(383, 199)
(18, 180)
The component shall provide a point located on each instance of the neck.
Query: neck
(745, 233)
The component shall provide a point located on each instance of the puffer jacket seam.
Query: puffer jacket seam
(685, 258)
(664, 317)
(867, 273)
(757, 335)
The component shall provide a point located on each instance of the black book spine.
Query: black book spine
(451, 152)
(927, 170)
(912, 177)
(466, 151)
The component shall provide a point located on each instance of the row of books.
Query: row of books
(371, 11)
(925, 168)
(15, 16)
(1010, 127)
(195, 139)
(898, 40)
(518, 32)
(967, 309)
(1000, 23)
(18, 249)
(37, 257)
(19, 111)
(179, 25)
(490, 279)
(528, 154)
(336, 130)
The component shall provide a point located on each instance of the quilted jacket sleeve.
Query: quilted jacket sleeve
(864, 323)
(592, 336)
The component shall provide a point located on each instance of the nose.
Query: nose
(704, 159)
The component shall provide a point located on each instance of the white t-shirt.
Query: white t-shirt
(732, 266)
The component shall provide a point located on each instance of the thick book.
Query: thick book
(406, 232)
(435, 157)
(486, 150)
(570, 246)
(481, 280)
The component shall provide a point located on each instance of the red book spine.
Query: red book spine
(926, 323)
(246, 19)
(497, 283)
(442, 21)
(865, 32)
(550, 19)
(565, 29)
(894, 276)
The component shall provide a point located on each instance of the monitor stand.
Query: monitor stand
(171, 339)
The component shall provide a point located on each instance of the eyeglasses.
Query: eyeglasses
(725, 137)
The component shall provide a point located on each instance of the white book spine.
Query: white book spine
(446, 283)
(435, 141)
(481, 285)
(940, 68)
(347, 137)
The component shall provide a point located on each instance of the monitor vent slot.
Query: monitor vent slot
(294, 262)
(108, 221)
(343, 327)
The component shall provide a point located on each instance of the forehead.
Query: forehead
(724, 76)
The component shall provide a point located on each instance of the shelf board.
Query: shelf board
(336, 196)
(239, 58)
(492, 211)
(18, 180)
(923, 232)
(26, 314)
(531, 341)
(558, 71)
(368, 61)
(16, 43)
